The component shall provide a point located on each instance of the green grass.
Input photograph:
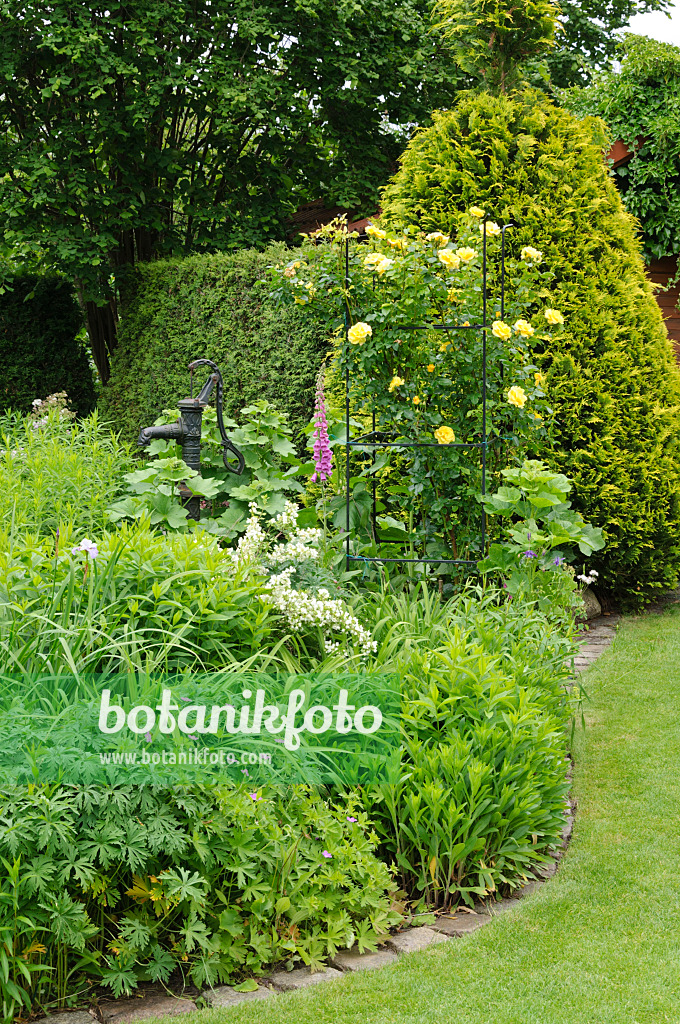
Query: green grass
(600, 943)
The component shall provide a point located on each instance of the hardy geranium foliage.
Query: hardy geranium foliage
(409, 314)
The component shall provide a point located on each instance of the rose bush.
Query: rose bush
(425, 384)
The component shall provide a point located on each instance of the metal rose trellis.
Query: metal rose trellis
(377, 439)
(438, 388)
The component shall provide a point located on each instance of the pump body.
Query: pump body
(187, 432)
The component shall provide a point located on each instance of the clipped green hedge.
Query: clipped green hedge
(211, 306)
(40, 351)
(613, 381)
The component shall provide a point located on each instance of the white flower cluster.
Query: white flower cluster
(299, 548)
(286, 521)
(588, 578)
(252, 542)
(301, 544)
(320, 609)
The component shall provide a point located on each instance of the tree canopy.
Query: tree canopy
(130, 130)
(587, 40)
(640, 103)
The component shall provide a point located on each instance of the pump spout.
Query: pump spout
(166, 432)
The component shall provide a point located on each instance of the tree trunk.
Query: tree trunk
(101, 328)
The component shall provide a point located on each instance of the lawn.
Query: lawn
(600, 943)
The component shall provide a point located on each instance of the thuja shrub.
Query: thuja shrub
(610, 376)
(41, 349)
(211, 306)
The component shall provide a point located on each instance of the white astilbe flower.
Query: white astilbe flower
(252, 542)
(286, 521)
(329, 614)
(297, 549)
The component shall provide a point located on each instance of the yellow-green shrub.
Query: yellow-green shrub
(611, 378)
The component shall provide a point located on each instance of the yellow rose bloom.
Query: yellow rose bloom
(450, 259)
(416, 400)
(466, 253)
(501, 330)
(359, 332)
(529, 253)
(430, 367)
(373, 259)
(553, 316)
(444, 435)
(524, 328)
(398, 243)
(438, 237)
(491, 228)
(291, 268)
(517, 396)
(396, 382)
(384, 265)
(476, 211)
(444, 345)
(373, 232)
(451, 295)
(539, 378)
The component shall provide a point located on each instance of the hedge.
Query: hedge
(613, 381)
(40, 348)
(211, 306)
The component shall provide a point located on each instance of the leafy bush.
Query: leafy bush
(135, 884)
(270, 471)
(484, 707)
(642, 100)
(59, 471)
(210, 306)
(41, 348)
(611, 377)
(534, 557)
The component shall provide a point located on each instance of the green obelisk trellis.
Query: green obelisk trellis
(375, 441)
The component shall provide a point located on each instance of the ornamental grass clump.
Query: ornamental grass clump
(609, 373)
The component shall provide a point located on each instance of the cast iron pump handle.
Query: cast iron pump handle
(187, 430)
(227, 446)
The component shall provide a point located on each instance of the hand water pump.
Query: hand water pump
(187, 432)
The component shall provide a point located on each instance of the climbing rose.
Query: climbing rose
(450, 260)
(529, 253)
(359, 332)
(517, 396)
(444, 435)
(501, 330)
(524, 328)
(466, 253)
(553, 316)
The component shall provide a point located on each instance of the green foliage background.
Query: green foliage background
(612, 381)
(211, 306)
(40, 351)
(643, 99)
